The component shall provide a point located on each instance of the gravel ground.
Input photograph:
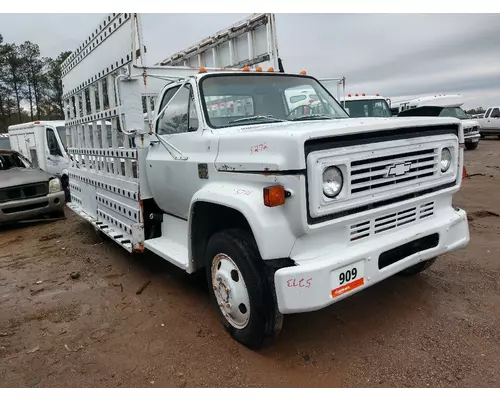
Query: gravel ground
(91, 328)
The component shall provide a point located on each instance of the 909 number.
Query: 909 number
(348, 276)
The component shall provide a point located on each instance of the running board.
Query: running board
(119, 237)
(172, 245)
(169, 250)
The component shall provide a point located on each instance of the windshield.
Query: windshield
(455, 112)
(61, 130)
(368, 108)
(12, 160)
(232, 100)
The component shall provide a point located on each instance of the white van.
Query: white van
(44, 144)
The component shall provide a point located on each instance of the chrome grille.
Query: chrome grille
(390, 221)
(24, 192)
(389, 171)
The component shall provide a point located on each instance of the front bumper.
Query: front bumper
(19, 210)
(472, 138)
(311, 284)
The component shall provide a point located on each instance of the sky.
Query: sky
(397, 55)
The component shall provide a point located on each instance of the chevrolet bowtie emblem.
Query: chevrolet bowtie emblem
(398, 169)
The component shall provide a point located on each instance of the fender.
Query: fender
(270, 225)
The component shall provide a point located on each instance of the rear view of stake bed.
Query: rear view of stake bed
(286, 211)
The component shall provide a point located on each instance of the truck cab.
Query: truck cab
(43, 143)
(365, 106)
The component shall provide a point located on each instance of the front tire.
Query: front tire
(65, 187)
(471, 146)
(418, 268)
(241, 287)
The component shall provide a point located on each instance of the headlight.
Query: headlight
(332, 182)
(54, 185)
(445, 159)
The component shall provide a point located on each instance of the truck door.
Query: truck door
(55, 159)
(494, 120)
(174, 182)
(485, 122)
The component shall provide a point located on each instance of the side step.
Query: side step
(172, 245)
(117, 236)
(171, 251)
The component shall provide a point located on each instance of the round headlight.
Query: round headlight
(445, 159)
(332, 182)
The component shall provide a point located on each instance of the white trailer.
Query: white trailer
(283, 214)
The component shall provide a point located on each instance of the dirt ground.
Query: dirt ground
(439, 329)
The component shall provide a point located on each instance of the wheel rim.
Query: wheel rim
(230, 291)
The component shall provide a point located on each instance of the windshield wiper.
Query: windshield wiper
(268, 117)
(312, 116)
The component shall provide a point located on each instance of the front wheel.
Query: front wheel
(242, 288)
(471, 146)
(418, 268)
(65, 187)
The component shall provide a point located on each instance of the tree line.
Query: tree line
(30, 85)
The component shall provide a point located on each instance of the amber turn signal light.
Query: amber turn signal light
(274, 196)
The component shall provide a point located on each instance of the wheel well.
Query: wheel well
(207, 219)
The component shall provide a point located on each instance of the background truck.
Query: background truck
(43, 144)
(489, 124)
(284, 214)
(446, 106)
(364, 106)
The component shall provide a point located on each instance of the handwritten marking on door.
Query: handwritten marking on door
(242, 192)
(259, 148)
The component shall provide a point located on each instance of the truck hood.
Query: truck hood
(469, 123)
(280, 146)
(22, 176)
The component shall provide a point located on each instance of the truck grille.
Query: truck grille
(390, 221)
(390, 171)
(24, 192)
(471, 130)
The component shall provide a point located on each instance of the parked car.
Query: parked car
(27, 193)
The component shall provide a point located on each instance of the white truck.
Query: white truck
(43, 144)
(283, 215)
(489, 123)
(363, 106)
(445, 106)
